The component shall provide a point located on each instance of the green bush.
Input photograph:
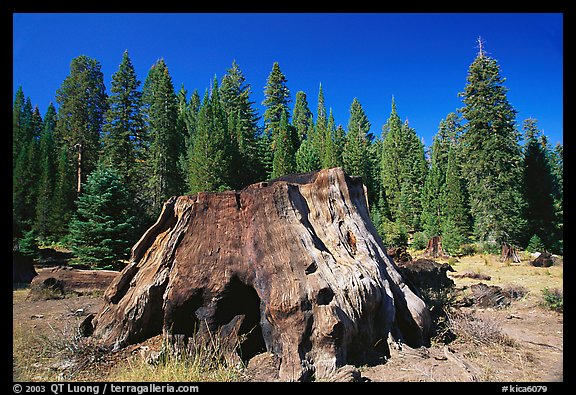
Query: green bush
(535, 244)
(420, 241)
(553, 299)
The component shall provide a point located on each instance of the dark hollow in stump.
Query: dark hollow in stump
(292, 267)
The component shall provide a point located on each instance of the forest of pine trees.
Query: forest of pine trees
(93, 172)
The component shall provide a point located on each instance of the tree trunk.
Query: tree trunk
(293, 266)
(434, 248)
(509, 253)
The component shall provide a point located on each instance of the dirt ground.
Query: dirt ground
(529, 345)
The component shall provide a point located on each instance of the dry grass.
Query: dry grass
(209, 362)
(533, 279)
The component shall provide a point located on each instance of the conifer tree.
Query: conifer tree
(243, 127)
(301, 116)
(164, 143)
(355, 153)
(434, 190)
(455, 226)
(18, 124)
(101, 229)
(47, 172)
(403, 171)
(24, 165)
(63, 205)
(306, 156)
(492, 155)
(537, 185)
(209, 163)
(276, 100)
(321, 129)
(82, 103)
(392, 155)
(331, 150)
(123, 122)
(283, 162)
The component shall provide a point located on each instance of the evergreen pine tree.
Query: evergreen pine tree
(123, 122)
(209, 163)
(47, 173)
(283, 162)
(24, 165)
(455, 226)
(159, 170)
(62, 206)
(556, 160)
(82, 104)
(331, 151)
(491, 148)
(434, 190)
(537, 185)
(18, 128)
(100, 231)
(243, 127)
(306, 156)
(355, 153)
(301, 116)
(276, 100)
(403, 171)
(392, 155)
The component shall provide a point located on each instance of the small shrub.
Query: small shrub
(553, 299)
(468, 249)
(420, 241)
(482, 331)
(535, 244)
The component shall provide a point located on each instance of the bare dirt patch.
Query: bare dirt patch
(521, 342)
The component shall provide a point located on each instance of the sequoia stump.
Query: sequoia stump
(293, 267)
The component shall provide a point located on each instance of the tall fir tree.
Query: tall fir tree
(434, 191)
(123, 122)
(210, 160)
(47, 176)
(301, 116)
(413, 175)
(538, 186)
(18, 124)
(164, 143)
(243, 127)
(82, 103)
(284, 152)
(321, 127)
(391, 159)
(355, 152)
(306, 156)
(490, 144)
(24, 164)
(276, 100)
(556, 160)
(403, 171)
(455, 226)
(331, 153)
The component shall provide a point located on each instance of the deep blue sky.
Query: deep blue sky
(420, 59)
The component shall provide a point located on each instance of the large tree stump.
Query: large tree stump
(294, 266)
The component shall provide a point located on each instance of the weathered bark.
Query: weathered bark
(293, 265)
(509, 254)
(434, 248)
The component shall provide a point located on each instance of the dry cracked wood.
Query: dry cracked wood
(293, 267)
